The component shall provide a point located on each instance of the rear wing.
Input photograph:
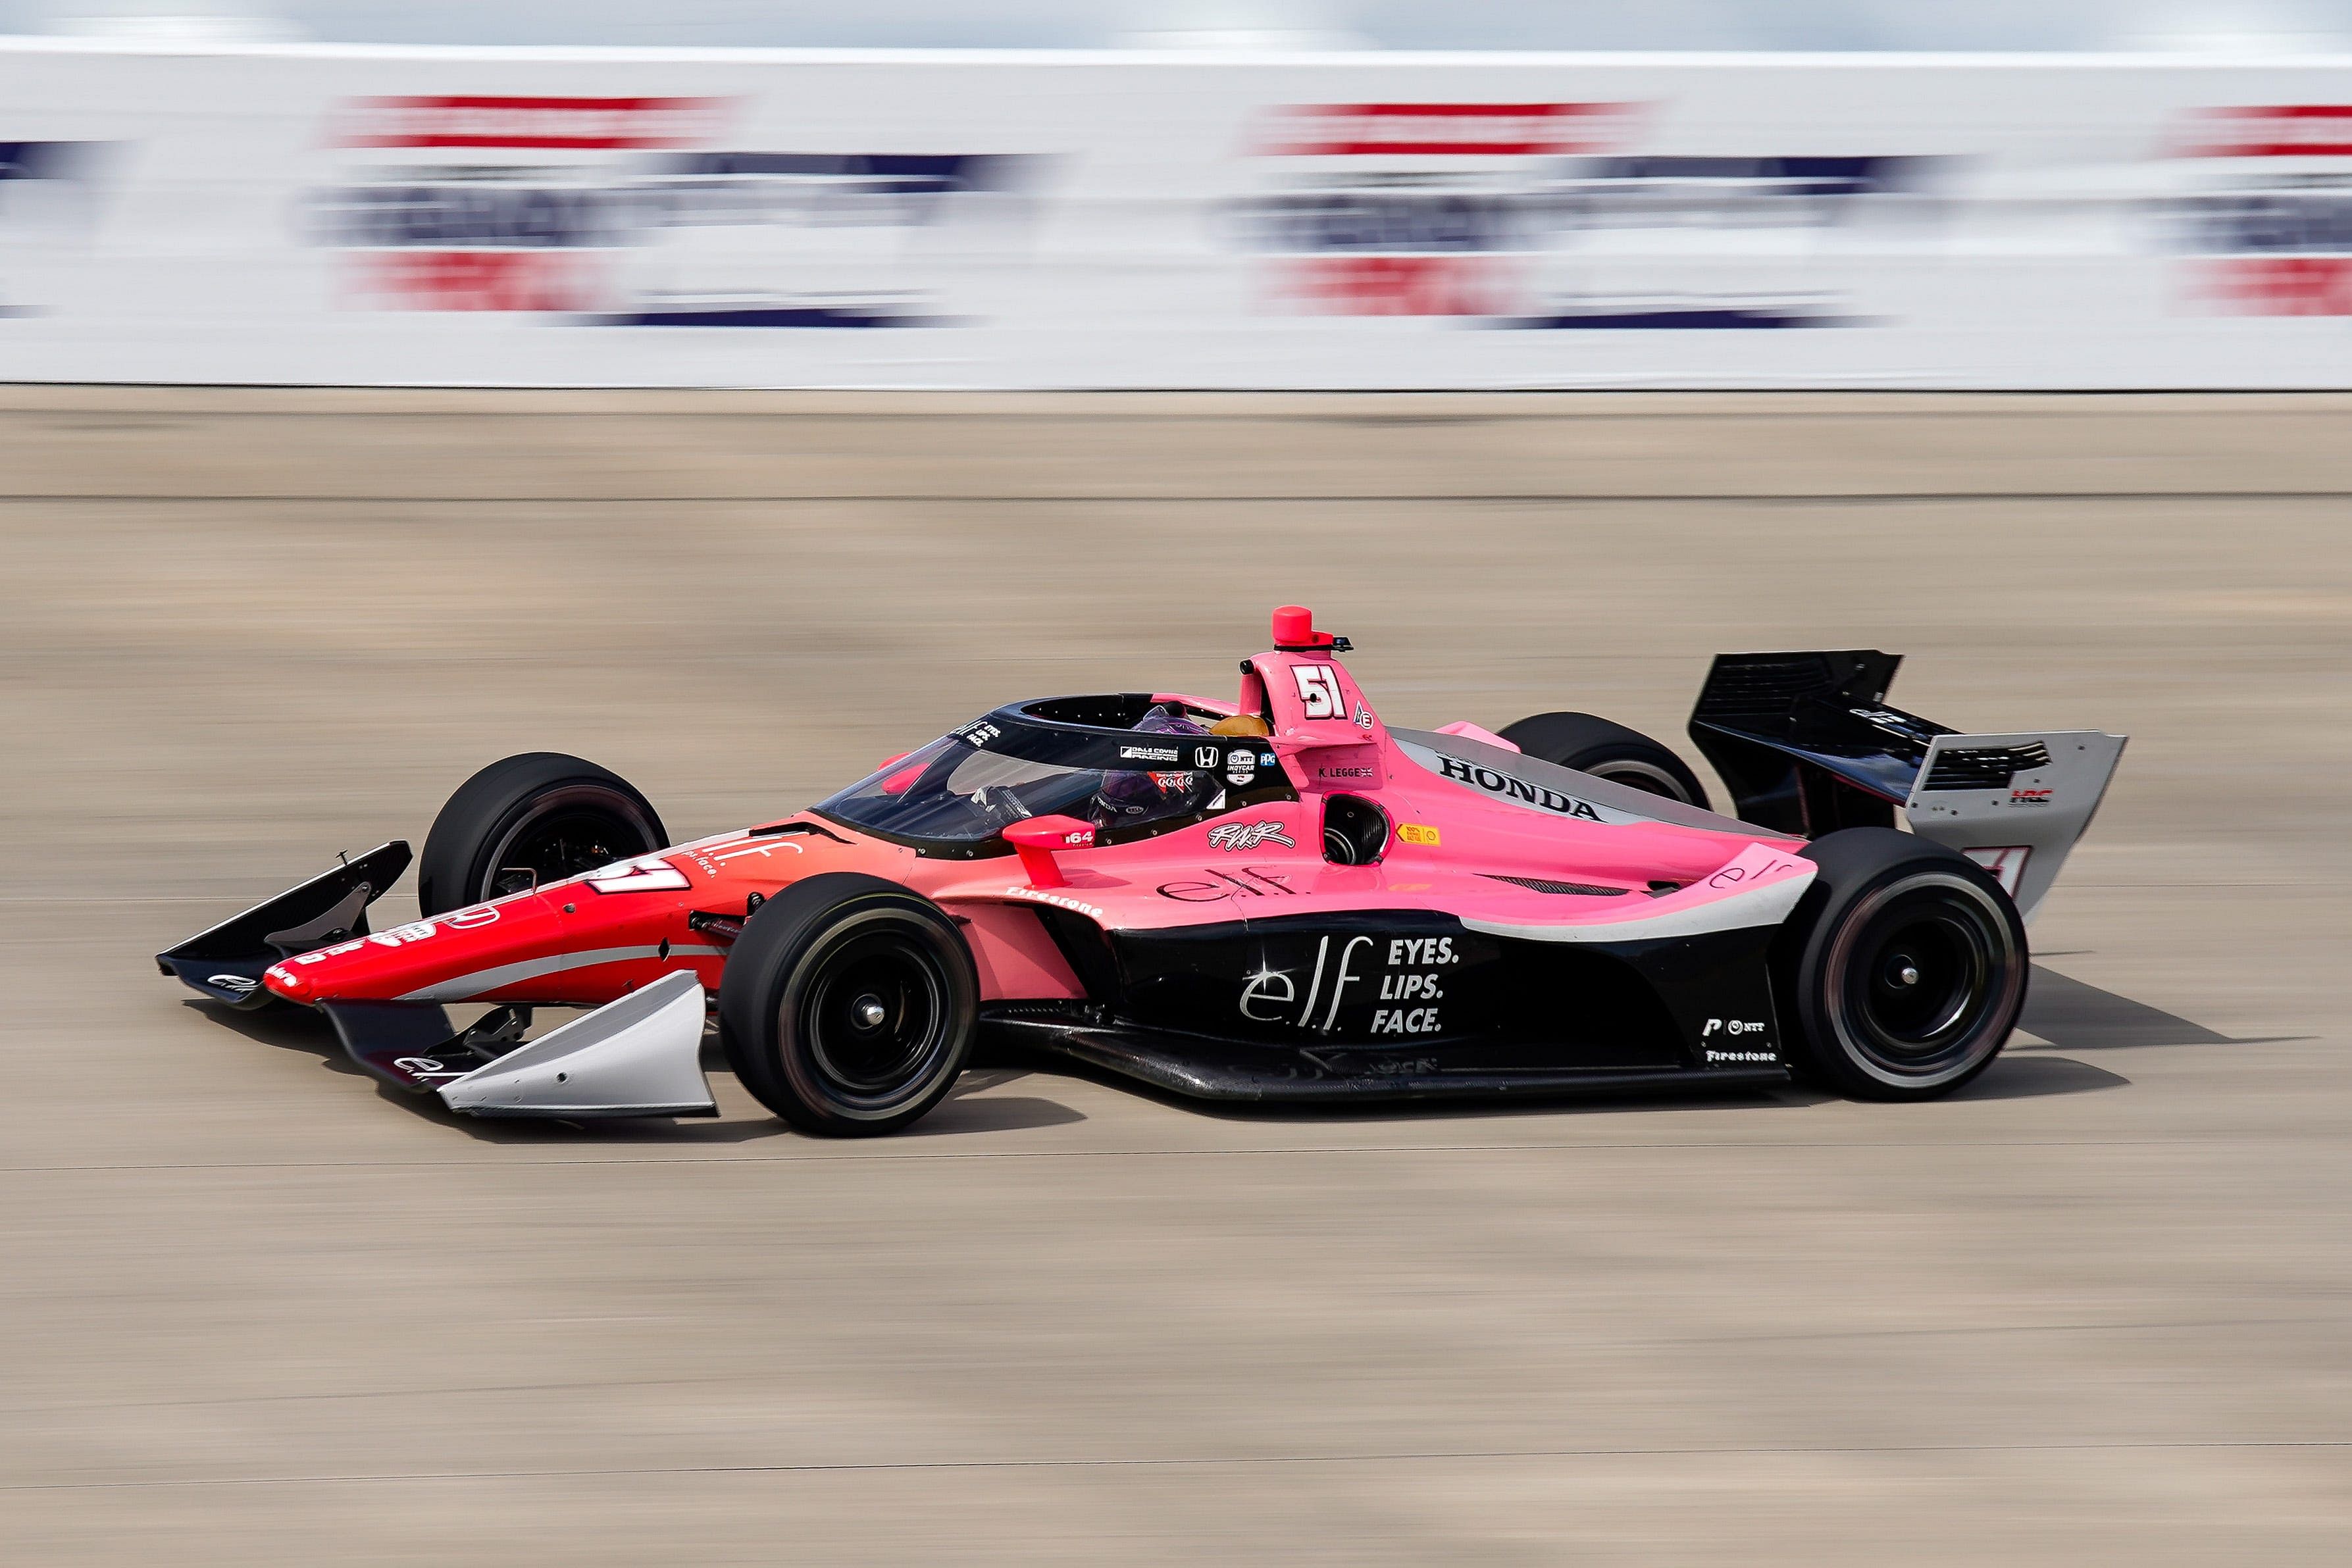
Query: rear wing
(1807, 745)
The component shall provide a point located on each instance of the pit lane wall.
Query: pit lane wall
(836, 220)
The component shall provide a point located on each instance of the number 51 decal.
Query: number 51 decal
(1319, 688)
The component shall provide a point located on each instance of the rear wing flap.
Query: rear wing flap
(1808, 745)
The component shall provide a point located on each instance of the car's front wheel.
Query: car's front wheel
(849, 1005)
(527, 821)
(1902, 971)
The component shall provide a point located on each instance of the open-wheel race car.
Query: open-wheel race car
(1276, 898)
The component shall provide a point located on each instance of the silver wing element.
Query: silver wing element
(639, 1056)
(2019, 829)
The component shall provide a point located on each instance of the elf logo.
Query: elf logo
(1268, 995)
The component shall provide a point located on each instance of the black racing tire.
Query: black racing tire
(1593, 745)
(555, 815)
(849, 1005)
(1901, 971)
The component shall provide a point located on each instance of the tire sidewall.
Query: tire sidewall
(489, 811)
(1643, 773)
(774, 974)
(1607, 749)
(1834, 1047)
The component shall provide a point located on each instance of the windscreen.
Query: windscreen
(961, 792)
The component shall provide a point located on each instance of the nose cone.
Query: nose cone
(581, 941)
(283, 981)
(392, 965)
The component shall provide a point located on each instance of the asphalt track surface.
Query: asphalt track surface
(256, 1309)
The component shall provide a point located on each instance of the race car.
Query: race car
(1276, 898)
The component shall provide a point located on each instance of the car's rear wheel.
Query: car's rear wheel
(527, 821)
(1902, 971)
(1593, 745)
(849, 1005)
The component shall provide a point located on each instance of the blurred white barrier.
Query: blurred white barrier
(1062, 220)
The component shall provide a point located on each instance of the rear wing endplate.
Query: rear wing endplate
(2015, 804)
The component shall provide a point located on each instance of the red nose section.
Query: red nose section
(511, 937)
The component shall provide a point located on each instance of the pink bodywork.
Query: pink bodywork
(592, 939)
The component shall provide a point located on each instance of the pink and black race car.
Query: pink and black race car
(1274, 898)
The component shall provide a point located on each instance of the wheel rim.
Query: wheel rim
(1926, 978)
(562, 834)
(876, 1022)
(1647, 777)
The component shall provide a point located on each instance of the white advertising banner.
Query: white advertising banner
(539, 218)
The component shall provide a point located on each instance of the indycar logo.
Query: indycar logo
(1235, 836)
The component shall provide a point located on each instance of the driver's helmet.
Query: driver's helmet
(1126, 798)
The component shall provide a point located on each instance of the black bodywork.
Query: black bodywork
(1404, 1004)
(1808, 745)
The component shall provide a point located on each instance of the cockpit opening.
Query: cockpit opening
(1131, 766)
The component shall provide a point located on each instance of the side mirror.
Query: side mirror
(1036, 838)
